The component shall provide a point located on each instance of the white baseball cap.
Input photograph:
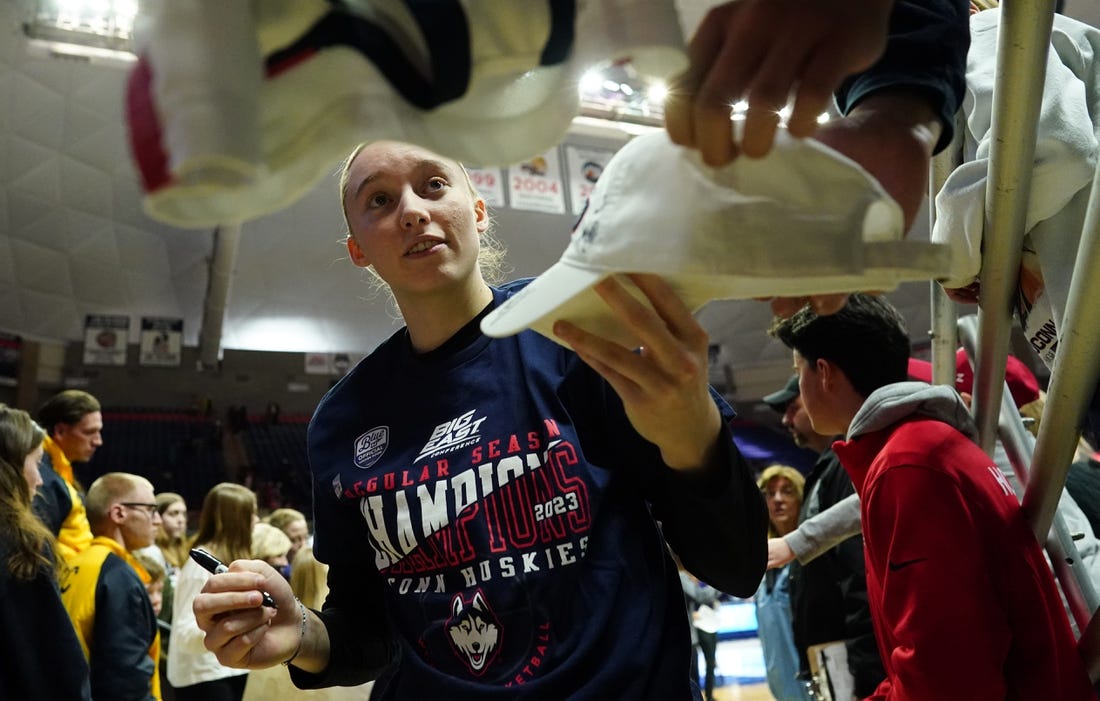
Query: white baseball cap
(802, 220)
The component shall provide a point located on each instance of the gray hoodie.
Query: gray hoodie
(885, 407)
(890, 404)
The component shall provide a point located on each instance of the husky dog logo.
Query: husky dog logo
(474, 631)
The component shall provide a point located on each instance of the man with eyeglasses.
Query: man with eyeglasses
(104, 592)
(829, 594)
(74, 426)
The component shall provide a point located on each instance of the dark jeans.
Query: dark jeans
(708, 644)
(227, 689)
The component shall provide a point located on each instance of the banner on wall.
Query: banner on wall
(329, 363)
(489, 183)
(161, 341)
(11, 348)
(583, 168)
(536, 185)
(105, 337)
(318, 363)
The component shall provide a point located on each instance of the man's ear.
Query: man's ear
(826, 372)
(356, 252)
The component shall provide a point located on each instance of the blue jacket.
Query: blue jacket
(40, 656)
(773, 618)
(114, 621)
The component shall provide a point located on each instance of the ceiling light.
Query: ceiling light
(591, 81)
(88, 29)
(657, 93)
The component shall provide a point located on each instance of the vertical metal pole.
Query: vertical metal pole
(222, 260)
(944, 321)
(1019, 445)
(944, 313)
(1022, 46)
(1076, 373)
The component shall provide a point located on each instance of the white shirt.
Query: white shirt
(189, 662)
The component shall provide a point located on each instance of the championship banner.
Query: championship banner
(489, 183)
(536, 185)
(161, 341)
(584, 166)
(105, 338)
(11, 348)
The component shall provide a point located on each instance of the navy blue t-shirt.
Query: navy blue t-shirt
(490, 518)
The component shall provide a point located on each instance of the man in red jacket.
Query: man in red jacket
(963, 602)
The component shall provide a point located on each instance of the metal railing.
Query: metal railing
(1019, 446)
(1023, 45)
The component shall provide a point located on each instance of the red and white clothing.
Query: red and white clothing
(963, 601)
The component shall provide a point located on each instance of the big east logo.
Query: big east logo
(452, 434)
(370, 446)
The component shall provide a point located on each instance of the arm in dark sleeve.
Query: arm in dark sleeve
(717, 523)
(362, 642)
(848, 569)
(925, 51)
(715, 518)
(124, 629)
(859, 633)
(362, 645)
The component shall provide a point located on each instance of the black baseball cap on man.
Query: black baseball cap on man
(780, 399)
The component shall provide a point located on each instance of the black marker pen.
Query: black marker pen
(215, 566)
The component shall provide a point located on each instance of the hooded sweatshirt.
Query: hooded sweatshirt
(963, 602)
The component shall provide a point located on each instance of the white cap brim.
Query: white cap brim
(564, 291)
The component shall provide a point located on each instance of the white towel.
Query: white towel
(220, 141)
(1065, 161)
